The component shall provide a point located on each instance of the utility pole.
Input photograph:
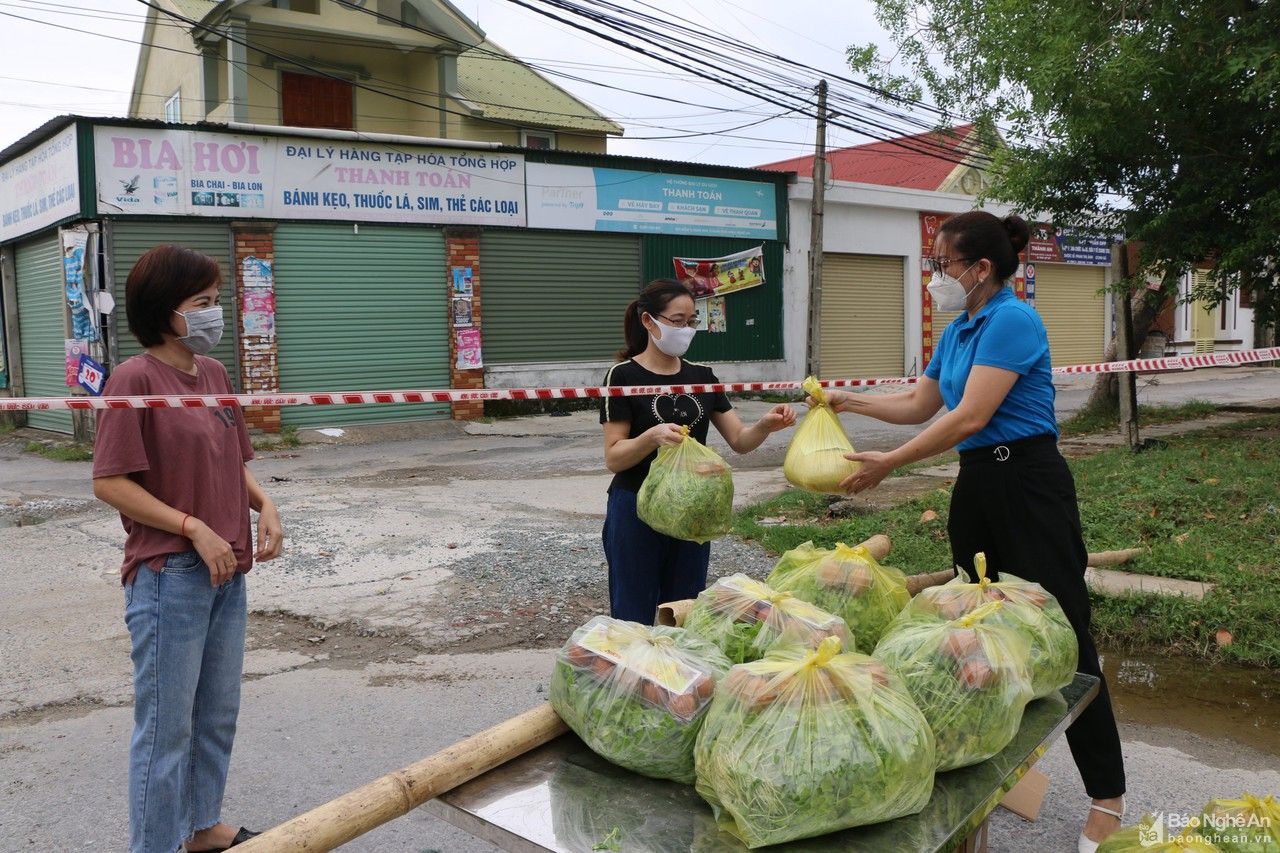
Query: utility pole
(813, 361)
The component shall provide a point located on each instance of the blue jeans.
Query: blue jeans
(188, 653)
(647, 568)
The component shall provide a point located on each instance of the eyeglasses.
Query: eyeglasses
(691, 323)
(937, 265)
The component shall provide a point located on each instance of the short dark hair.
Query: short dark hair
(978, 234)
(162, 279)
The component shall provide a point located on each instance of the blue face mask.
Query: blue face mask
(204, 329)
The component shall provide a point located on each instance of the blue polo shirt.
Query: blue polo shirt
(1009, 334)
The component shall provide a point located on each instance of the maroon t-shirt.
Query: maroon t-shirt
(191, 459)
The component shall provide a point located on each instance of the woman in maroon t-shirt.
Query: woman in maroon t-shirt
(179, 479)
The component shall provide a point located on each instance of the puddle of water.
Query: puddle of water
(1212, 700)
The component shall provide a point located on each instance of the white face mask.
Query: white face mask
(204, 329)
(948, 293)
(674, 341)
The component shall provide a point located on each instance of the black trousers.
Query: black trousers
(1017, 504)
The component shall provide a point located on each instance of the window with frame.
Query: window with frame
(173, 108)
(309, 100)
(538, 140)
(311, 7)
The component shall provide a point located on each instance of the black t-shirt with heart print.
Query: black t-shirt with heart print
(646, 412)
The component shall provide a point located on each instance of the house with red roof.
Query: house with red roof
(937, 160)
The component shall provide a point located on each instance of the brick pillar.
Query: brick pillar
(255, 298)
(462, 249)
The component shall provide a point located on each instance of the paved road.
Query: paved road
(373, 641)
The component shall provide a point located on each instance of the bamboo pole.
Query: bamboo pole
(915, 583)
(1114, 558)
(355, 813)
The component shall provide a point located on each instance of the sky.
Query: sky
(47, 70)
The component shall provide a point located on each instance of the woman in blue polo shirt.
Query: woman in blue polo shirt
(1014, 498)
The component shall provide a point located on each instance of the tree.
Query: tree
(1155, 119)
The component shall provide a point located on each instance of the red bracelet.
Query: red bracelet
(182, 528)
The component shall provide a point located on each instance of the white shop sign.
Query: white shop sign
(196, 173)
(40, 187)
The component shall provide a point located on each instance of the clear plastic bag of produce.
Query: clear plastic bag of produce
(1247, 825)
(847, 582)
(745, 618)
(815, 457)
(1029, 608)
(804, 742)
(637, 694)
(970, 678)
(1151, 835)
(688, 493)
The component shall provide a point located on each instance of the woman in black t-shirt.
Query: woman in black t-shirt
(647, 567)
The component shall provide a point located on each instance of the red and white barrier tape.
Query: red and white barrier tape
(453, 395)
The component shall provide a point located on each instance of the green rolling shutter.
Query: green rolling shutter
(360, 312)
(555, 296)
(753, 316)
(41, 317)
(131, 239)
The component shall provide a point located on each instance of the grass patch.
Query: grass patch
(1088, 421)
(61, 452)
(288, 438)
(1206, 507)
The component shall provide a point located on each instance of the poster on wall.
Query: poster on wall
(258, 312)
(712, 317)
(72, 350)
(463, 284)
(467, 344)
(181, 172)
(40, 187)
(721, 276)
(74, 245)
(585, 198)
(462, 312)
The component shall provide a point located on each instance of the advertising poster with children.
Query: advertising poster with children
(719, 276)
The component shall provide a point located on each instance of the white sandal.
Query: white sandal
(1087, 844)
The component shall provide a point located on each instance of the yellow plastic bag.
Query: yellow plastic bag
(688, 493)
(969, 677)
(815, 458)
(1247, 825)
(636, 694)
(804, 743)
(1029, 608)
(847, 582)
(1150, 835)
(745, 618)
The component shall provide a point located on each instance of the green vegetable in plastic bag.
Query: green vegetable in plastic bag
(804, 743)
(637, 694)
(969, 676)
(1247, 825)
(815, 457)
(1029, 609)
(688, 493)
(745, 618)
(1151, 836)
(847, 582)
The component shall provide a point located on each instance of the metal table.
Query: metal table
(563, 797)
